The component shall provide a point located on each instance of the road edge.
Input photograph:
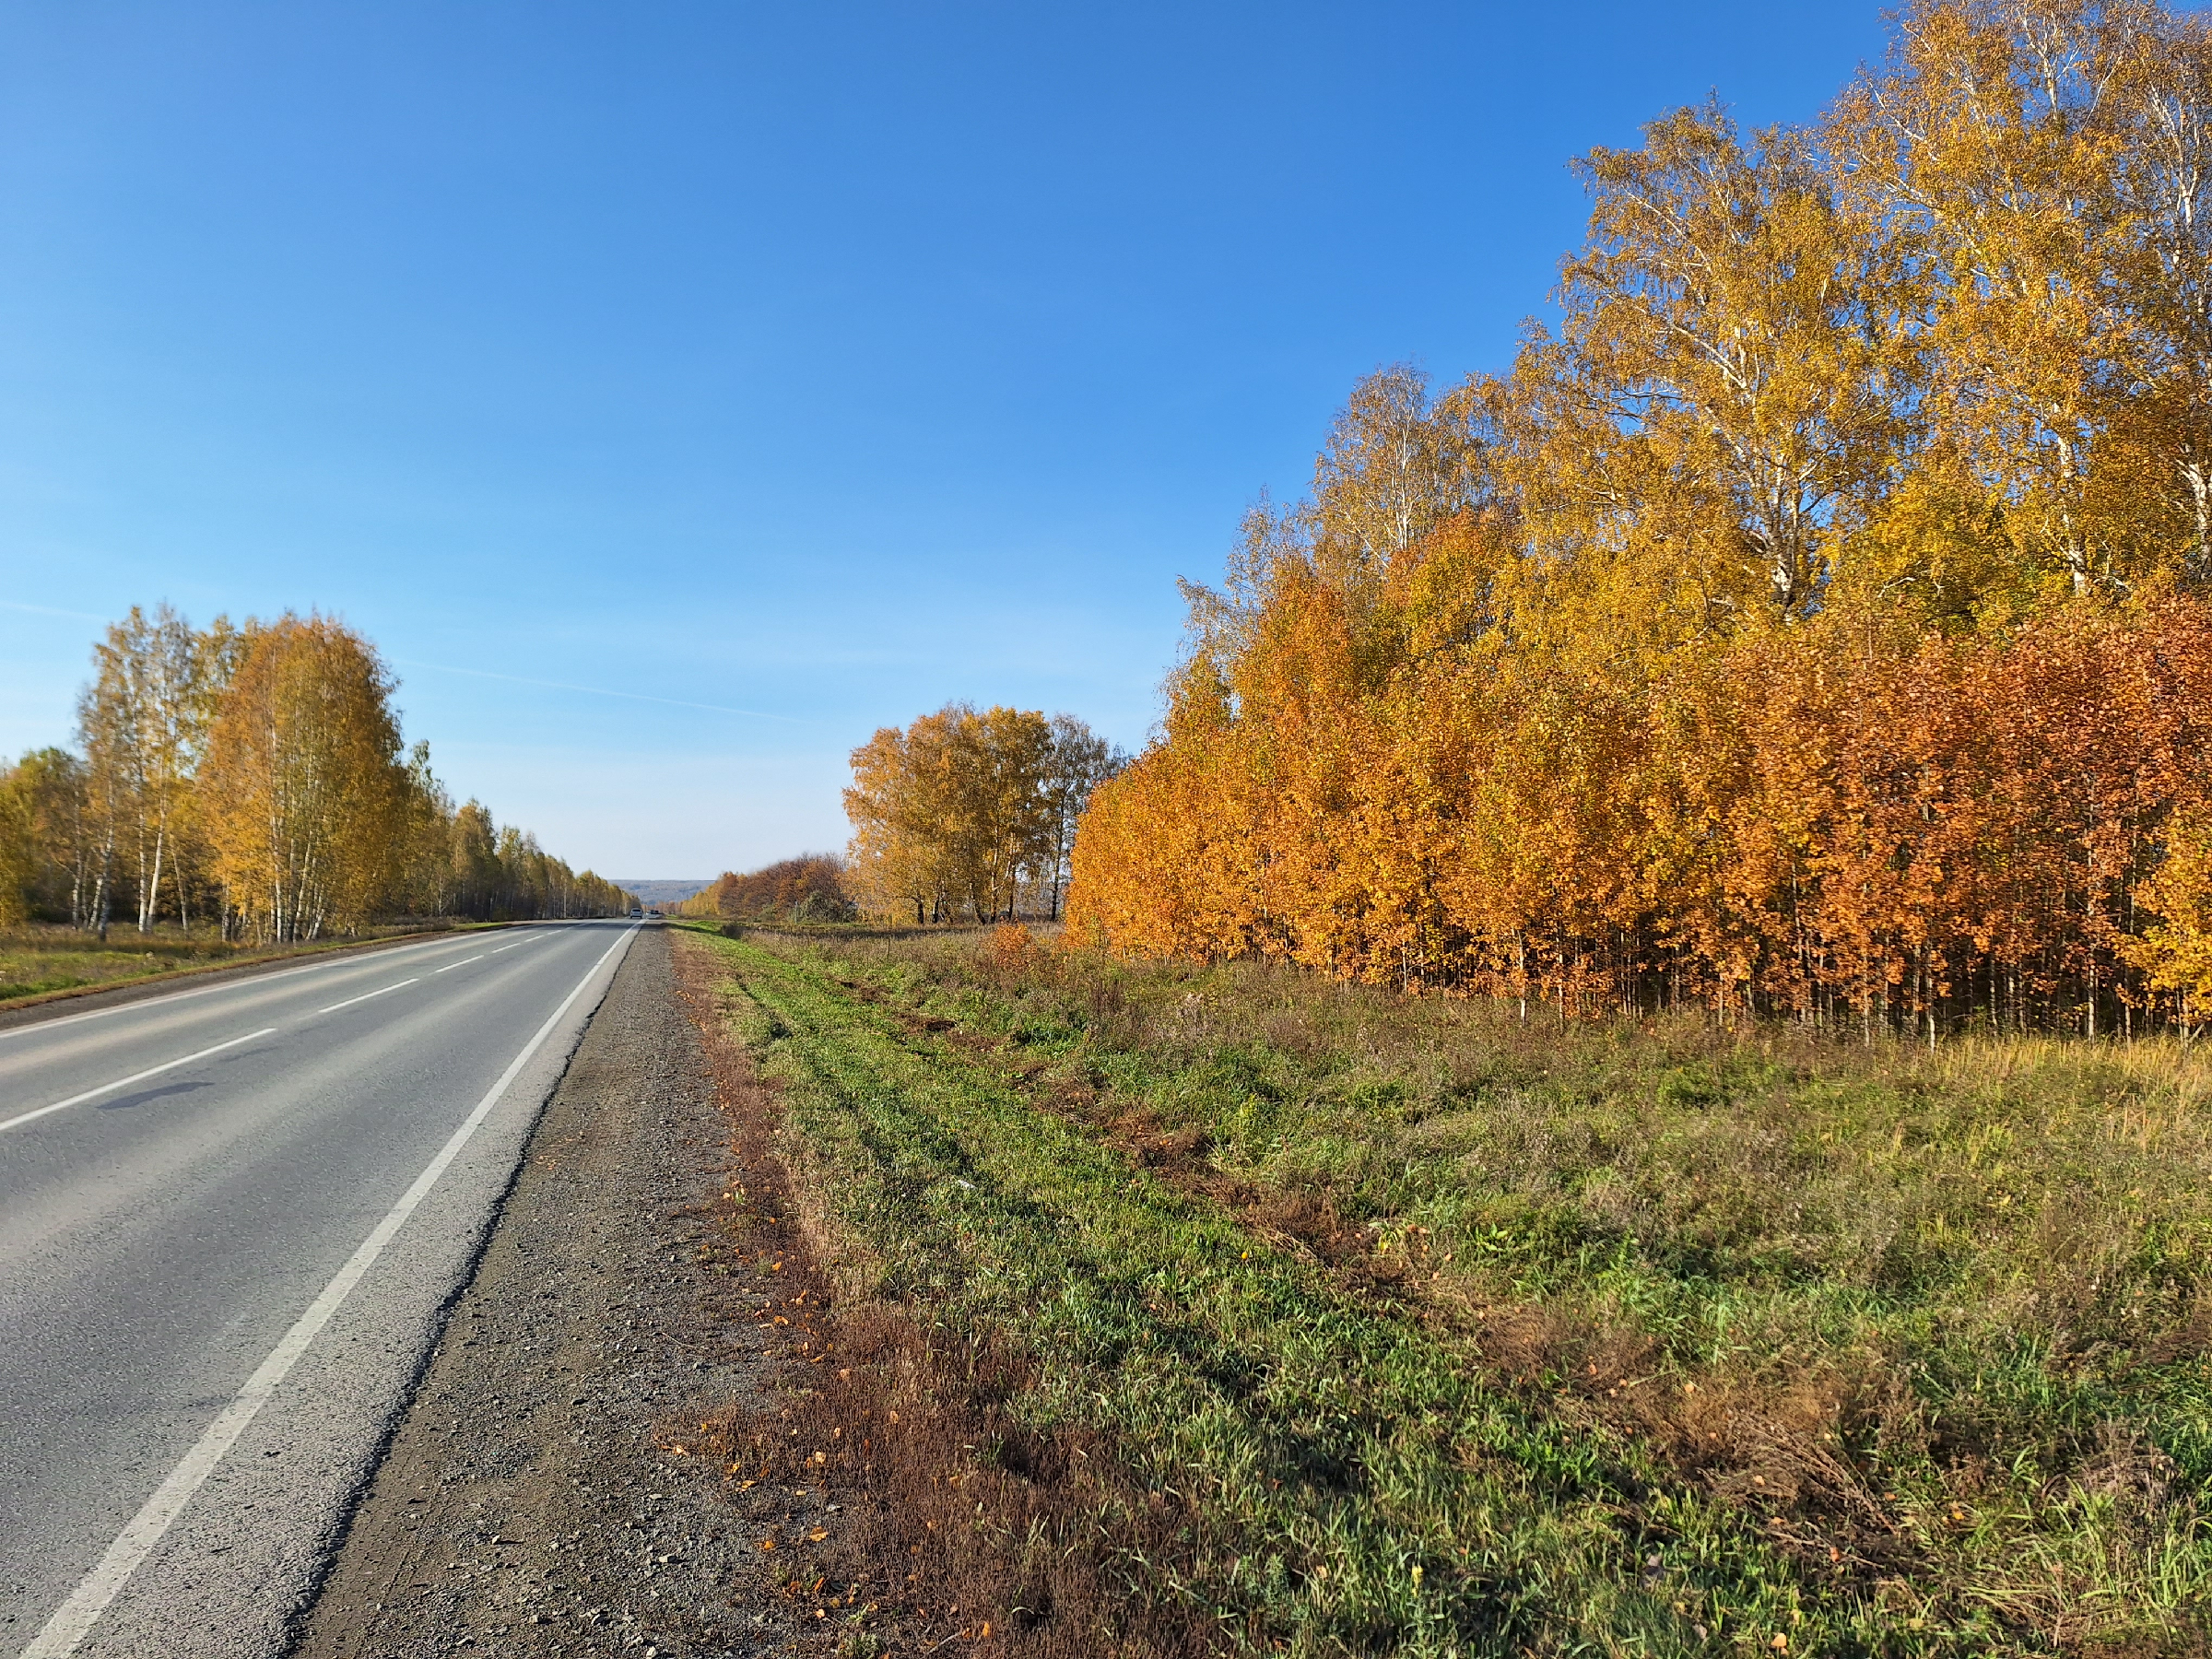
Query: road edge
(376, 1341)
(86, 999)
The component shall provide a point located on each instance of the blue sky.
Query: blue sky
(815, 364)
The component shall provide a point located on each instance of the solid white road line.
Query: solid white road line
(151, 1071)
(343, 960)
(73, 1620)
(367, 995)
(462, 963)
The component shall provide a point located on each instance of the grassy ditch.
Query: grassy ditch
(1429, 1332)
(39, 961)
(956, 1526)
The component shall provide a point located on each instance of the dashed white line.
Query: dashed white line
(151, 1071)
(73, 1620)
(367, 995)
(462, 963)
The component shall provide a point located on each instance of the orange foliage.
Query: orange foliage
(1815, 820)
(810, 887)
(1817, 622)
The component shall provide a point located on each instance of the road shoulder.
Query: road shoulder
(533, 1499)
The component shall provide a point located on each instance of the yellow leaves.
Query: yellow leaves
(1820, 817)
(967, 809)
(2175, 949)
(304, 798)
(1720, 324)
(1456, 588)
(1807, 626)
(258, 772)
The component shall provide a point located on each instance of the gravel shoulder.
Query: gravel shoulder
(535, 1497)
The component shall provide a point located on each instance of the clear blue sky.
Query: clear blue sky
(824, 362)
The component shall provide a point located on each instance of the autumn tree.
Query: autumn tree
(301, 817)
(900, 806)
(18, 856)
(53, 839)
(962, 810)
(1077, 762)
(306, 794)
(2039, 166)
(810, 887)
(142, 721)
(1812, 623)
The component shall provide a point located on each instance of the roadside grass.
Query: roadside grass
(1439, 1332)
(927, 1547)
(38, 961)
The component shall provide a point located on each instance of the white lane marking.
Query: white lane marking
(367, 995)
(73, 1620)
(151, 1071)
(462, 963)
(348, 959)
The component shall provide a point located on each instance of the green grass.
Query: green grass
(1458, 1335)
(35, 960)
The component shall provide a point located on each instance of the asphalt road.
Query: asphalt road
(231, 1221)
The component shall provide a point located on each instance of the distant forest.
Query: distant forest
(967, 815)
(810, 887)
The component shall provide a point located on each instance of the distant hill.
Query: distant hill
(662, 892)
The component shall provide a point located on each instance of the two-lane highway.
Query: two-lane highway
(230, 1218)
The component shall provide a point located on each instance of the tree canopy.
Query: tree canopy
(970, 813)
(254, 778)
(1817, 619)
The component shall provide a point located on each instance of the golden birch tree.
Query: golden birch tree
(304, 796)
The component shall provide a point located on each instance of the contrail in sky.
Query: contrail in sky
(48, 610)
(674, 702)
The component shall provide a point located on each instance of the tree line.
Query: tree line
(970, 813)
(251, 780)
(1817, 620)
(810, 887)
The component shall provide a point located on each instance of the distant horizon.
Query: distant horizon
(662, 889)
